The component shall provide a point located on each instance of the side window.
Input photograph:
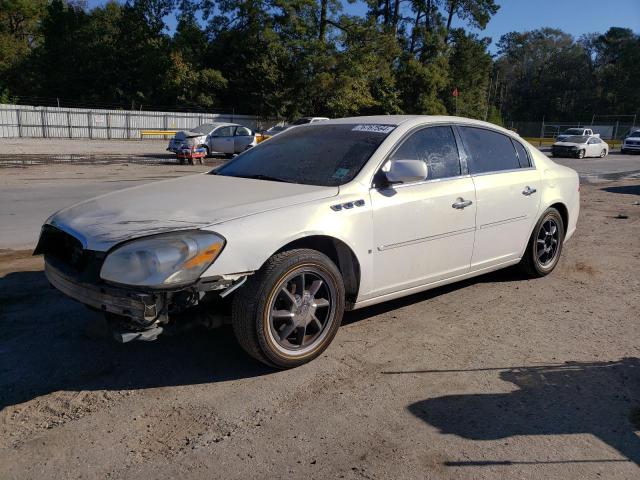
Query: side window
(488, 151)
(436, 146)
(523, 157)
(243, 132)
(223, 132)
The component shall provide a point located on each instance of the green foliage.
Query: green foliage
(307, 57)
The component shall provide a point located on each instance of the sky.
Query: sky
(573, 16)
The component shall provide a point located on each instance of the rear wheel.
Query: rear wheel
(290, 310)
(545, 245)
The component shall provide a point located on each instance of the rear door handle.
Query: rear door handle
(461, 203)
(528, 191)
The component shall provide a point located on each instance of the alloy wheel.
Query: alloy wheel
(547, 242)
(301, 311)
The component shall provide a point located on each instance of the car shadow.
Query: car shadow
(510, 274)
(49, 342)
(600, 398)
(625, 189)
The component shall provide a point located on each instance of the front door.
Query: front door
(222, 140)
(508, 189)
(424, 231)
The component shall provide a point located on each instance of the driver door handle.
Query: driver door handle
(528, 191)
(461, 203)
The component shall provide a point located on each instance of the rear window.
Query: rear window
(488, 151)
(317, 154)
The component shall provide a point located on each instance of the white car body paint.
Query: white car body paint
(404, 241)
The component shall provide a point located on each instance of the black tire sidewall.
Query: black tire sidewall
(264, 285)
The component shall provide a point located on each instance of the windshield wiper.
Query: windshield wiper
(259, 176)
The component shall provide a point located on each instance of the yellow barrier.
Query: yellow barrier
(157, 132)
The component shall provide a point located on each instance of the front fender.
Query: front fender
(252, 240)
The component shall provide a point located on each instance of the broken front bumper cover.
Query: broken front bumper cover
(144, 308)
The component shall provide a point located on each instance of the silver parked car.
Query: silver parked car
(227, 138)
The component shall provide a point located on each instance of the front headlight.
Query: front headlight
(164, 260)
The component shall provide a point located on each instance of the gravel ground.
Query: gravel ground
(495, 377)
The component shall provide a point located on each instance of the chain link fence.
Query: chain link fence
(18, 121)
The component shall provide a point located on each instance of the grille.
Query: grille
(68, 250)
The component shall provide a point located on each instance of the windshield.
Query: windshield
(324, 155)
(635, 134)
(301, 121)
(576, 139)
(203, 129)
(573, 131)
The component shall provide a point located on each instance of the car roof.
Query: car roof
(219, 124)
(415, 120)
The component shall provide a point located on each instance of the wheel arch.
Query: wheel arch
(563, 211)
(340, 253)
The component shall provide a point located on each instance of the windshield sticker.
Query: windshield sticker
(374, 128)
(340, 173)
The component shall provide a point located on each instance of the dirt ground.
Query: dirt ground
(81, 146)
(495, 377)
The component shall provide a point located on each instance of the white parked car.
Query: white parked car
(580, 147)
(321, 219)
(573, 132)
(227, 138)
(631, 143)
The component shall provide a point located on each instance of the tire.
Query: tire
(624, 151)
(603, 153)
(532, 264)
(206, 149)
(272, 339)
(581, 153)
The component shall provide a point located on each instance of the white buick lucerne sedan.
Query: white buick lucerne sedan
(320, 219)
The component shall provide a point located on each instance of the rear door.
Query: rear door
(222, 140)
(508, 195)
(423, 231)
(242, 139)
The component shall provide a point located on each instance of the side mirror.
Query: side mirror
(405, 171)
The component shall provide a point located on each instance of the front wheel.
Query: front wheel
(545, 245)
(603, 153)
(290, 310)
(580, 153)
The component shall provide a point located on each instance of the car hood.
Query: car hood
(194, 201)
(567, 144)
(183, 134)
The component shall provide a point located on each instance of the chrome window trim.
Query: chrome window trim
(496, 172)
(422, 182)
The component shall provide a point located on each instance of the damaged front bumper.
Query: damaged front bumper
(143, 315)
(142, 307)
